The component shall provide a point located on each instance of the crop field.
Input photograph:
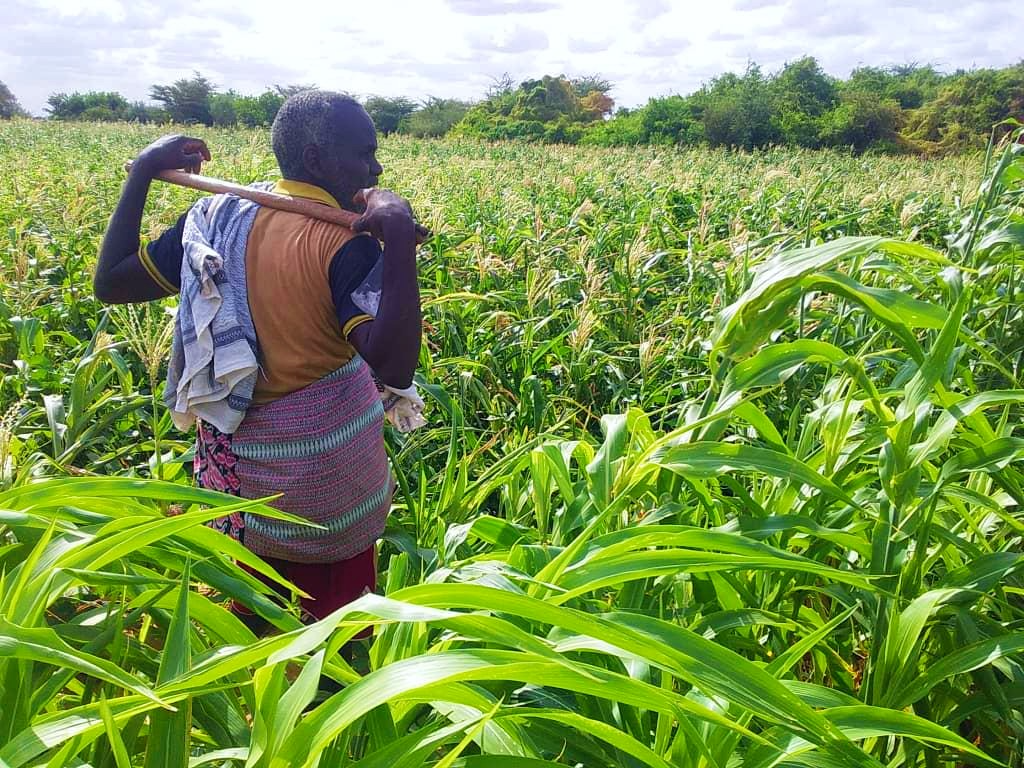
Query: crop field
(724, 469)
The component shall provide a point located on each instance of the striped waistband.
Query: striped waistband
(298, 449)
(253, 447)
(289, 532)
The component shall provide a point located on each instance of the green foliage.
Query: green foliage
(100, 106)
(724, 468)
(388, 113)
(9, 106)
(434, 118)
(187, 100)
(223, 108)
(907, 108)
(549, 109)
(862, 120)
(968, 105)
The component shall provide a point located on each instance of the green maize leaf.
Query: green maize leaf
(684, 653)
(774, 277)
(984, 572)
(967, 659)
(219, 756)
(619, 569)
(939, 435)
(389, 683)
(861, 722)
(169, 732)
(121, 758)
(471, 734)
(776, 363)
(763, 527)
(707, 460)
(902, 643)
(294, 701)
(45, 646)
(934, 365)
(991, 457)
(779, 666)
(604, 468)
(500, 761)
(49, 731)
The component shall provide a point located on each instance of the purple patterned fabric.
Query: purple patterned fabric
(322, 449)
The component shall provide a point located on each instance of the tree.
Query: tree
(861, 120)
(187, 100)
(249, 111)
(597, 104)
(9, 106)
(968, 105)
(270, 103)
(738, 111)
(435, 117)
(500, 86)
(587, 84)
(388, 113)
(97, 106)
(802, 93)
(222, 108)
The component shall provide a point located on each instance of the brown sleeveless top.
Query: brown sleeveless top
(287, 260)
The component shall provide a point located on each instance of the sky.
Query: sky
(456, 48)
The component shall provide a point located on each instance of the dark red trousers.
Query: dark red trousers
(329, 585)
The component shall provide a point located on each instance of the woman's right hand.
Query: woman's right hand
(172, 153)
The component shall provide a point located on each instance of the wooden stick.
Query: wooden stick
(269, 199)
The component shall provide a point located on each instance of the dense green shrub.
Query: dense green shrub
(435, 117)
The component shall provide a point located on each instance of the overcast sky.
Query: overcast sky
(455, 47)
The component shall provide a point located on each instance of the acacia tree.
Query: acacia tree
(9, 106)
(187, 100)
(388, 113)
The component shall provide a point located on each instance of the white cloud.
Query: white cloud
(453, 48)
(518, 39)
(663, 47)
(582, 45)
(500, 7)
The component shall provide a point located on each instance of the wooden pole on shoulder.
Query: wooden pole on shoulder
(270, 199)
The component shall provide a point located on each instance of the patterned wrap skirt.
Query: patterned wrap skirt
(322, 449)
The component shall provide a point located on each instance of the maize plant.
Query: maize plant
(725, 469)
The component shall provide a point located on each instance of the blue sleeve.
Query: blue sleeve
(352, 266)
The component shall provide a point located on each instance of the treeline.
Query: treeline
(895, 109)
(909, 108)
(904, 108)
(196, 100)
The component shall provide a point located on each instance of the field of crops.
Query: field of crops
(724, 469)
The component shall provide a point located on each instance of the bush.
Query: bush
(860, 120)
(95, 106)
(625, 129)
(435, 117)
(548, 109)
(222, 108)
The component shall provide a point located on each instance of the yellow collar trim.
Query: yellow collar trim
(294, 188)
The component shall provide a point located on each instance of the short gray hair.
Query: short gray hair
(306, 118)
